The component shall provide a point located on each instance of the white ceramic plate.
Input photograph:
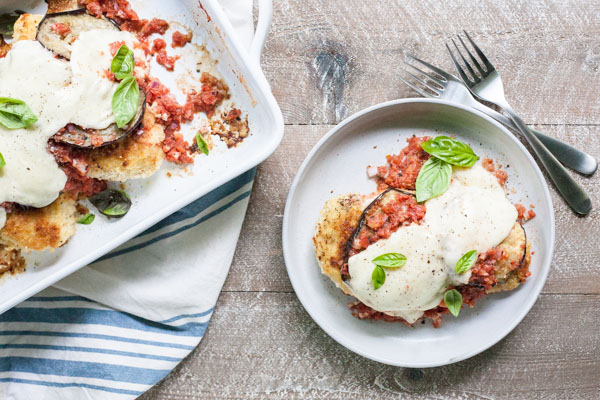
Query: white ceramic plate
(336, 165)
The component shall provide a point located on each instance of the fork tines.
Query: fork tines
(474, 78)
(427, 84)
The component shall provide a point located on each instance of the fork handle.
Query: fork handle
(570, 190)
(570, 156)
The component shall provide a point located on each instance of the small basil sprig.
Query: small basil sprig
(127, 95)
(466, 262)
(378, 277)
(86, 219)
(433, 179)
(453, 300)
(390, 260)
(125, 101)
(387, 260)
(15, 114)
(2, 162)
(201, 143)
(451, 151)
(112, 203)
(123, 63)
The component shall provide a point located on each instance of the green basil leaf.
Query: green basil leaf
(123, 63)
(450, 150)
(466, 262)
(453, 301)
(2, 162)
(125, 101)
(7, 22)
(15, 114)
(86, 219)
(433, 179)
(117, 211)
(378, 277)
(390, 260)
(124, 193)
(202, 145)
(112, 203)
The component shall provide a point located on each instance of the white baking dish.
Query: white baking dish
(157, 197)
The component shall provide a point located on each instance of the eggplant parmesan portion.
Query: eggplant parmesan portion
(342, 221)
(357, 234)
(58, 31)
(70, 68)
(82, 137)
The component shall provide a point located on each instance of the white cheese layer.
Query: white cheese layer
(90, 61)
(58, 92)
(473, 214)
(31, 73)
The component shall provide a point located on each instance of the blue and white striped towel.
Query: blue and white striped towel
(120, 325)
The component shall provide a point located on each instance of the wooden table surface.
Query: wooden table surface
(328, 59)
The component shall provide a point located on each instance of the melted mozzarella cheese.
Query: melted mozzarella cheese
(58, 92)
(406, 290)
(90, 61)
(32, 74)
(473, 214)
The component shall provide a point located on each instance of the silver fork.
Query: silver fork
(487, 86)
(443, 85)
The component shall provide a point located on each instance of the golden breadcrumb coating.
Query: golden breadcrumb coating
(340, 216)
(41, 228)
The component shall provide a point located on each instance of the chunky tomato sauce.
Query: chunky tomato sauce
(73, 163)
(482, 279)
(180, 40)
(60, 29)
(523, 214)
(402, 169)
(501, 175)
(382, 220)
(159, 48)
(115, 46)
(170, 114)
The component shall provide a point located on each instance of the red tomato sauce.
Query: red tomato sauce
(60, 29)
(73, 163)
(180, 40)
(381, 221)
(402, 169)
(170, 114)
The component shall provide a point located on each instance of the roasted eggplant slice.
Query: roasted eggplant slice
(80, 137)
(57, 31)
(511, 269)
(388, 195)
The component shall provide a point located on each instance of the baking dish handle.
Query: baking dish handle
(265, 14)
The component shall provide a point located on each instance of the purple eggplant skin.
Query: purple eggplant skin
(93, 138)
(78, 21)
(363, 216)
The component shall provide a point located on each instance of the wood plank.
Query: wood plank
(328, 59)
(264, 345)
(258, 263)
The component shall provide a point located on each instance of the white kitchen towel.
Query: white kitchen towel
(120, 325)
